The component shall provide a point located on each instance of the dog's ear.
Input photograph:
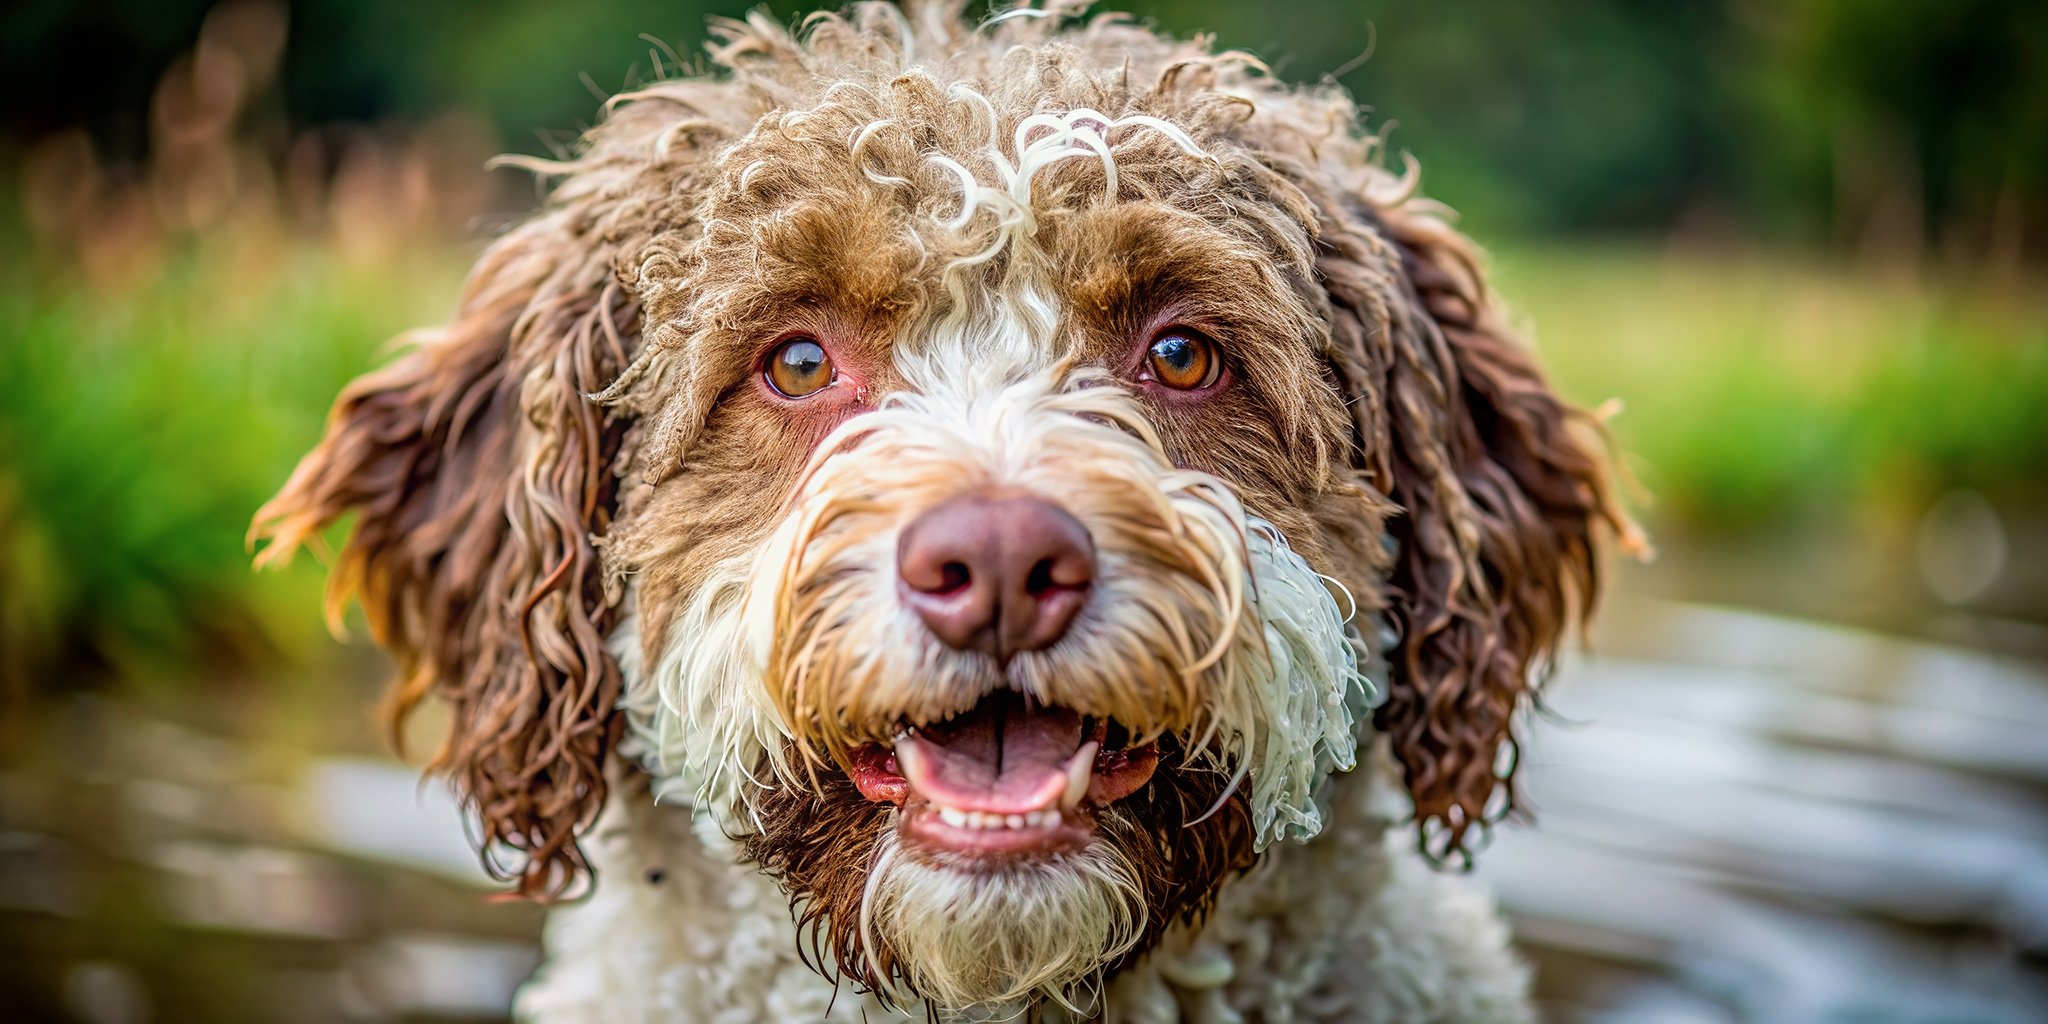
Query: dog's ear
(1502, 488)
(479, 471)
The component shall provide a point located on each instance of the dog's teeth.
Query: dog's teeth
(1079, 770)
(988, 820)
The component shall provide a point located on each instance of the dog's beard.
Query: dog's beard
(909, 924)
(972, 937)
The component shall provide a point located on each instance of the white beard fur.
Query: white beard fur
(1348, 926)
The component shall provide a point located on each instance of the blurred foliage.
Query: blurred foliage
(1760, 388)
(140, 427)
(1870, 123)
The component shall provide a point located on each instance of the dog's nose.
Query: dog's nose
(999, 574)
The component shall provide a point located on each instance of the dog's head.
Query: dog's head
(975, 467)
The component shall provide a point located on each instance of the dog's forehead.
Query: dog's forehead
(857, 217)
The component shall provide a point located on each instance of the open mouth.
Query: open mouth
(1008, 777)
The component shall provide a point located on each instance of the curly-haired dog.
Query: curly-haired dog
(983, 521)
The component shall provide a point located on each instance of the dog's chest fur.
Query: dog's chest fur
(1349, 926)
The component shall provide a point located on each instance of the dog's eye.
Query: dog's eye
(1184, 359)
(799, 367)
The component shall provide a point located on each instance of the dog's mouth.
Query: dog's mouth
(1008, 778)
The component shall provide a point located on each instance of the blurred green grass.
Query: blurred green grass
(140, 427)
(1760, 387)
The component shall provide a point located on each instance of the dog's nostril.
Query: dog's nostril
(1040, 579)
(953, 576)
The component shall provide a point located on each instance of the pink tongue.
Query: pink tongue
(998, 757)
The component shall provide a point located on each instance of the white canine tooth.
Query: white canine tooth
(1014, 821)
(976, 820)
(1079, 771)
(953, 816)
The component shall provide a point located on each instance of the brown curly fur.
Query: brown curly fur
(479, 472)
(1382, 393)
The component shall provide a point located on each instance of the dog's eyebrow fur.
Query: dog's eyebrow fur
(589, 417)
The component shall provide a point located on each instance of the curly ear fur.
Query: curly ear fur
(480, 471)
(1502, 485)
(484, 475)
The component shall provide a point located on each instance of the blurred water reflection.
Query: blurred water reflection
(1746, 818)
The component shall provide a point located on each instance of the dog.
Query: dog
(952, 521)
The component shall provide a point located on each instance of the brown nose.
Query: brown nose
(995, 574)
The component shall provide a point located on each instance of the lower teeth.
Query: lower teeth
(984, 820)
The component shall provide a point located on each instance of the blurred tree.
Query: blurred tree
(1911, 123)
(1569, 115)
(66, 64)
(1885, 124)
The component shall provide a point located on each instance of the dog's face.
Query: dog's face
(999, 521)
(1000, 467)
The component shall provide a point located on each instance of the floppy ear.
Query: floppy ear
(479, 472)
(1502, 487)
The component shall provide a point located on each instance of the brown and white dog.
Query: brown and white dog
(1010, 520)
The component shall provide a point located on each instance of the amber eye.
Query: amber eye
(799, 367)
(1184, 359)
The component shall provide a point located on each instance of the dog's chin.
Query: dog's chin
(993, 929)
(1007, 782)
(1011, 851)
(996, 881)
